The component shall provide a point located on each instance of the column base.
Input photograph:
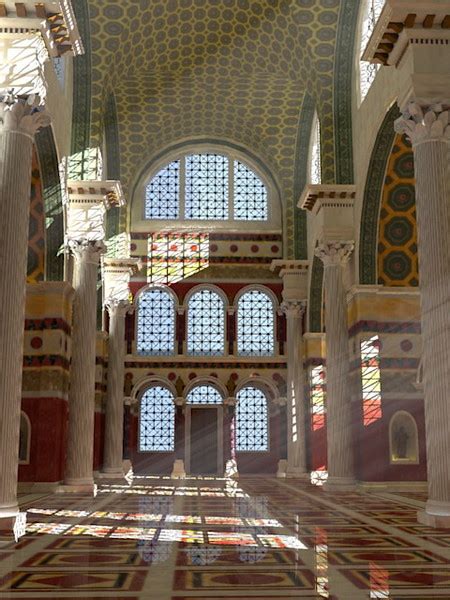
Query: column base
(231, 469)
(339, 484)
(80, 486)
(111, 474)
(297, 473)
(436, 514)
(9, 510)
(178, 471)
(282, 468)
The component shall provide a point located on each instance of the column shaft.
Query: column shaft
(80, 444)
(113, 451)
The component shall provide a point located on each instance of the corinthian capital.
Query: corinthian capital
(334, 253)
(22, 116)
(293, 308)
(118, 308)
(86, 250)
(424, 123)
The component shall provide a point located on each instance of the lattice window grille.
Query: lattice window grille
(162, 194)
(250, 195)
(317, 396)
(255, 324)
(157, 421)
(368, 70)
(316, 161)
(252, 421)
(206, 187)
(204, 394)
(156, 323)
(206, 324)
(371, 380)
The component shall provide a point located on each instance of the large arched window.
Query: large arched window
(367, 71)
(155, 323)
(157, 420)
(206, 324)
(255, 324)
(206, 186)
(252, 420)
(204, 394)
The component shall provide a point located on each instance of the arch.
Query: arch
(265, 384)
(148, 381)
(252, 419)
(403, 439)
(156, 419)
(372, 197)
(255, 321)
(24, 439)
(209, 381)
(204, 393)
(205, 334)
(156, 321)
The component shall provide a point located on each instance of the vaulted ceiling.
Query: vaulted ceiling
(236, 70)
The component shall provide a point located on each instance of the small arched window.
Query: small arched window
(315, 161)
(206, 186)
(367, 71)
(156, 323)
(24, 439)
(252, 420)
(157, 420)
(206, 324)
(204, 394)
(255, 324)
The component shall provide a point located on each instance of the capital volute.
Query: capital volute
(118, 308)
(293, 309)
(25, 117)
(334, 253)
(86, 251)
(424, 123)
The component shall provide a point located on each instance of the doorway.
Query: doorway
(204, 440)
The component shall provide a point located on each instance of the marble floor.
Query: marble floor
(213, 538)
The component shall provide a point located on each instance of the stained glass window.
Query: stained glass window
(204, 394)
(162, 194)
(317, 387)
(255, 324)
(206, 187)
(368, 70)
(206, 324)
(250, 195)
(316, 162)
(371, 380)
(157, 421)
(252, 424)
(155, 323)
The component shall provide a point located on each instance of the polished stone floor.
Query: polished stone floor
(214, 538)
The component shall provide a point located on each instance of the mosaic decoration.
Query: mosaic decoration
(204, 394)
(176, 256)
(155, 323)
(252, 421)
(397, 242)
(205, 324)
(317, 397)
(36, 228)
(371, 380)
(255, 324)
(157, 421)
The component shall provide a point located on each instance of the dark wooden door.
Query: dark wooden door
(204, 441)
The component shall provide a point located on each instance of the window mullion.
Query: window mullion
(183, 187)
(230, 188)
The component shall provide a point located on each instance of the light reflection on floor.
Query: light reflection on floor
(219, 538)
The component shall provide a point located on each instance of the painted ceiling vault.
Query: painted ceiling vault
(235, 70)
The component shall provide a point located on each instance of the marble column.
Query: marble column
(429, 131)
(334, 255)
(113, 449)
(80, 444)
(19, 121)
(296, 447)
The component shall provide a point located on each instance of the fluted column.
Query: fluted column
(113, 449)
(334, 255)
(296, 447)
(80, 442)
(19, 121)
(429, 131)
